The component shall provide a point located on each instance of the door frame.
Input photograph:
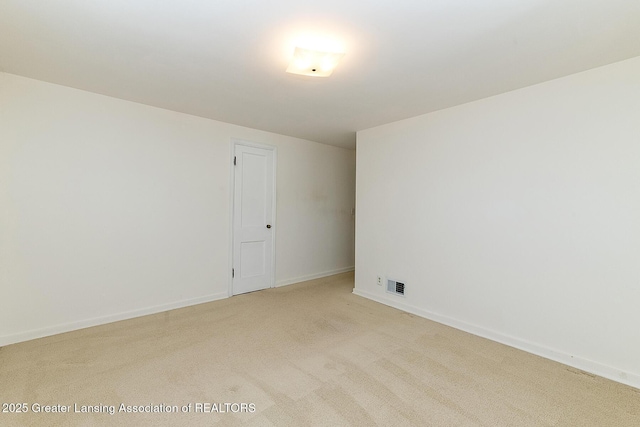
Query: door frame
(232, 179)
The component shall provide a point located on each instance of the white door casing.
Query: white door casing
(253, 218)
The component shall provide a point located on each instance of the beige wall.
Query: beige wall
(515, 217)
(111, 209)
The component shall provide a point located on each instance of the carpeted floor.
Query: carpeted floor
(302, 355)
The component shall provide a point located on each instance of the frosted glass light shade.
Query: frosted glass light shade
(308, 62)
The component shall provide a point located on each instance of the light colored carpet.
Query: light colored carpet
(306, 354)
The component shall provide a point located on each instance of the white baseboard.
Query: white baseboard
(73, 326)
(312, 276)
(578, 362)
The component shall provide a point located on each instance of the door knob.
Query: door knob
(268, 225)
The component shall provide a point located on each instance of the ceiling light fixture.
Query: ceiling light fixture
(309, 62)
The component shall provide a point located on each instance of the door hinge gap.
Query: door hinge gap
(233, 273)
(234, 160)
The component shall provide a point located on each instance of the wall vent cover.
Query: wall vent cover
(395, 287)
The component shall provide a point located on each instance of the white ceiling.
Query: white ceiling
(226, 59)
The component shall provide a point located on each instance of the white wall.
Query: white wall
(515, 217)
(315, 195)
(111, 209)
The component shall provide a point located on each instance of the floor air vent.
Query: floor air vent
(395, 287)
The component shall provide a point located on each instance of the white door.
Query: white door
(252, 219)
